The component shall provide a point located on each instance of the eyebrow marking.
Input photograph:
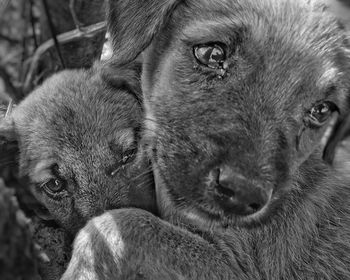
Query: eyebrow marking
(328, 76)
(126, 137)
(42, 171)
(205, 29)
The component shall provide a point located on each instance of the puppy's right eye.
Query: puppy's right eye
(211, 55)
(320, 113)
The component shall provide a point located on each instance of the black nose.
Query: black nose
(237, 194)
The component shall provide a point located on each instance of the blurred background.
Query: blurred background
(39, 37)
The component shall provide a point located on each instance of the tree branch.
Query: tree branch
(63, 38)
(77, 23)
(53, 32)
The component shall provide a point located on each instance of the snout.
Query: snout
(237, 194)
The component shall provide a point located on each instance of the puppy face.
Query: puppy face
(77, 137)
(239, 96)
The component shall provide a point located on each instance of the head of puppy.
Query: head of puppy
(239, 97)
(78, 140)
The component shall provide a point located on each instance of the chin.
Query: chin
(214, 220)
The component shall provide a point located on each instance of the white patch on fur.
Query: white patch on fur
(329, 75)
(110, 232)
(150, 122)
(82, 250)
(107, 50)
(83, 244)
(125, 137)
(42, 171)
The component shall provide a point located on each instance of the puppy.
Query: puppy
(240, 98)
(78, 139)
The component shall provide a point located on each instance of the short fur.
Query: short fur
(251, 115)
(77, 127)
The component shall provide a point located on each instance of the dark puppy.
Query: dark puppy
(78, 139)
(240, 96)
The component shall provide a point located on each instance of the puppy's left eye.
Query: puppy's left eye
(211, 55)
(320, 113)
(53, 186)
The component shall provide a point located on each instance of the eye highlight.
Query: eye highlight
(320, 113)
(212, 55)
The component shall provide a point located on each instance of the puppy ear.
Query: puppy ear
(122, 77)
(133, 23)
(126, 77)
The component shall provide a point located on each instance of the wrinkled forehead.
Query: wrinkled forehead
(270, 21)
(85, 125)
(67, 137)
(51, 124)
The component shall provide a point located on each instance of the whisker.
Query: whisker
(141, 184)
(147, 172)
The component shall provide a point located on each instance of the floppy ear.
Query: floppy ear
(133, 23)
(123, 77)
(126, 77)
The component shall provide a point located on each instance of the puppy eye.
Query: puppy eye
(128, 155)
(210, 55)
(53, 186)
(320, 113)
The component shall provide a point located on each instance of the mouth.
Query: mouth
(228, 200)
(213, 216)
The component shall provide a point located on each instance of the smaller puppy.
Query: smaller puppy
(78, 140)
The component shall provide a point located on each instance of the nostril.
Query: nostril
(246, 200)
(220, 190)
(255, 207)
(216, 175)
